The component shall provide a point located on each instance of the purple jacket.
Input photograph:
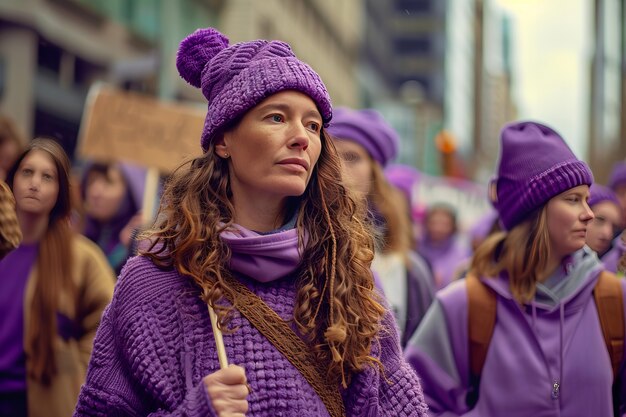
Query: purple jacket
(155, 344)
(556, 339)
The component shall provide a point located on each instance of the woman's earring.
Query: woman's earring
(226, 155)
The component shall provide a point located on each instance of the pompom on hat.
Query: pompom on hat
(599, 193)
(618, 175)
(236, 78)
(535, 165)
(368, 128)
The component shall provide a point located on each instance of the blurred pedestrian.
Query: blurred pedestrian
(440, 244)
(112, 194)
(11, 145)
(10, 232)
(546, 354)
(56, 285)
(366, 144)
(260, 228)
(606, 222)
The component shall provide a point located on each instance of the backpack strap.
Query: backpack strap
(481, 321)
(281, 335)
(610, 304)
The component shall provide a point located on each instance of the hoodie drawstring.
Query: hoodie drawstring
(556, 384)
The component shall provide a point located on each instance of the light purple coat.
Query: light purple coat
(557, 338)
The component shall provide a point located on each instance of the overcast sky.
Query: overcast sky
(551, 52)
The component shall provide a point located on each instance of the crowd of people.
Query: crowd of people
(285, 273)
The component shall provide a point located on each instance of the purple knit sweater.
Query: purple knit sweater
(155, 344)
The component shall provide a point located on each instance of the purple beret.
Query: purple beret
(535, 165)
(236, 78)
(369, 129)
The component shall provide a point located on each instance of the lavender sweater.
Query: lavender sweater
(155, 345)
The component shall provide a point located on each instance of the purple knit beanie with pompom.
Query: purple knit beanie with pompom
(535, 165)
(236, 78)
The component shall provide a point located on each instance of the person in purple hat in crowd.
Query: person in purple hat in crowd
(607, 220)
(55, 286)
(547, 354)
(260, 228)
(366, 144)
(617, 183)
(440, 244)
(112, 195)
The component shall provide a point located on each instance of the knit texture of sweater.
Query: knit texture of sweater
(155, 344)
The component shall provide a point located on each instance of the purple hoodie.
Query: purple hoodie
(556, 339)
(155, 344)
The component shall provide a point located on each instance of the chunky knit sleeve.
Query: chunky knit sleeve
(394, 392)
(132, 371)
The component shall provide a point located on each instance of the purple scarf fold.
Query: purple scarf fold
(264, 258)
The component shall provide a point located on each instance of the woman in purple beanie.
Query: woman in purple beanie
(260, 228)
(366, 144)
(547, 355)
(606, 222)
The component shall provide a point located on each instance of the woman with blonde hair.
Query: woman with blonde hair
(260, 229)
(547, 353)
(56, 285)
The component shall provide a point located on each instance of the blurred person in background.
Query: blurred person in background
(440, 244)
(112, 195)
(547, 353)
(617, 183)
(11, 145)
(261, 228)
(55, 286)
(366, 144)
(606, 222)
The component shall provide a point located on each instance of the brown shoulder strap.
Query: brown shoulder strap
(481, 302)
(278, 332)
(610, 304)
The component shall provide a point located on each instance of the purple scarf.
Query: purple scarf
(264, 258)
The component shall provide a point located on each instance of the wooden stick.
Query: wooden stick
(219, 341)
(149, 195)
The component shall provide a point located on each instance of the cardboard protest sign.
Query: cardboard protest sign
(122, 125)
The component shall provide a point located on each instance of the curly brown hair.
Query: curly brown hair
(337, 310)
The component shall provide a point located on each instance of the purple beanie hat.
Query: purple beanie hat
(369, 129)
(618, 175)
(238, 77)
(599, 193)
(535, 165)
